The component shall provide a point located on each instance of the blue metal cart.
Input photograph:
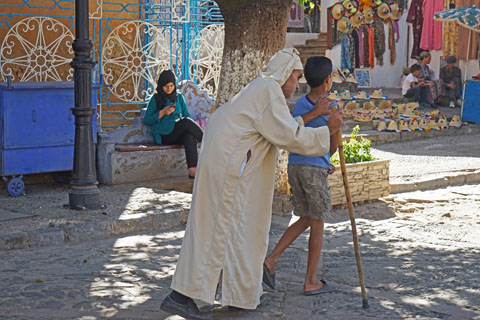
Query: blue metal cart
(471, 104)
(37, 129)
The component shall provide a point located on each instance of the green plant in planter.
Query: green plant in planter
(355, 150)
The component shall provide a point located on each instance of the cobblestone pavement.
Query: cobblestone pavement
(410, 161)
(431, 158)
(420, 254)
(125, 209)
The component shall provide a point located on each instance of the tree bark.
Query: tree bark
(254, 31)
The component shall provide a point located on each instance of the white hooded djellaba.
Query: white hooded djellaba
(230, 214)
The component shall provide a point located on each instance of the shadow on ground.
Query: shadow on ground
(49, 208)
(444, 146)
(128, 277)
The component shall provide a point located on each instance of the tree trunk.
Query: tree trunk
(254, 31)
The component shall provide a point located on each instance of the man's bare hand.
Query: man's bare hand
(320, 109)
(332, 169)
(322, 105)
(335, 121)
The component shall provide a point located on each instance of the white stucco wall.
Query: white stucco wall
(325, 4)
(389, 75)
(295, 38)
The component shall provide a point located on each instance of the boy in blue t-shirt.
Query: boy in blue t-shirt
(308, 178)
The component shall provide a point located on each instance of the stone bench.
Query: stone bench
(128, 154)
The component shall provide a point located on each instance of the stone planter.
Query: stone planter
(367, 180)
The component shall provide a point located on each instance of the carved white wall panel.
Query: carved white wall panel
(206, 56)
(96, 11)
(130, 64)
(37, 49)
(180, 11)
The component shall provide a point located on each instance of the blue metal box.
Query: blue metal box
(471, 105)
(37, 128)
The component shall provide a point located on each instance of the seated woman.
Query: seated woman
(430, 89)
(170, 120)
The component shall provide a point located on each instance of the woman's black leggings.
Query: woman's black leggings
(188, 133)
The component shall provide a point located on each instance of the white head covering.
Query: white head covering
(282, 64)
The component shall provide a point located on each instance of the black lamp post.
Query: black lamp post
(84, 193)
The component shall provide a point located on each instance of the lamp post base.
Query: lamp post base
(84, 197)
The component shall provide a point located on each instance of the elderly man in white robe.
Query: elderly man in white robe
(226, 237)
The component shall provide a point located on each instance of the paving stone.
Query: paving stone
(419, 269)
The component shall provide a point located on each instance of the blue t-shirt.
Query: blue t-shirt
(302, 106)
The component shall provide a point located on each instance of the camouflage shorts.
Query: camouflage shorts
(310, 191)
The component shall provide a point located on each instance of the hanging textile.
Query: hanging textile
(415, 17)
(450, 31)
(464, 34)
(356, 47)
(379, 39)
(391, 42)
(431, 30)
(366, 48)
(361, 49)
(371, 47)
(351, 52)
(478, 52)
(345, 62)
(397, 30)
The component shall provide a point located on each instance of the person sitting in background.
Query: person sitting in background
(430, 89)
(405, 73)
(452, 81)
(170, 120)
(411, 87)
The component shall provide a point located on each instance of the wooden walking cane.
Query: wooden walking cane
(352, 216)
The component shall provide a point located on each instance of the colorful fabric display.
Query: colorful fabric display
(431, 30)
(345, 62)
(415, 17)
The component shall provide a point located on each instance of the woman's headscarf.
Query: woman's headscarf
(161, 97)
(282, 64)
(423, 55)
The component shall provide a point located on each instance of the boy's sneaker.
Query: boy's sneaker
(452, 104)
(459, 102)
(423, 105)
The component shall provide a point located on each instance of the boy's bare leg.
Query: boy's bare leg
(288, 237)
(315, 243)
